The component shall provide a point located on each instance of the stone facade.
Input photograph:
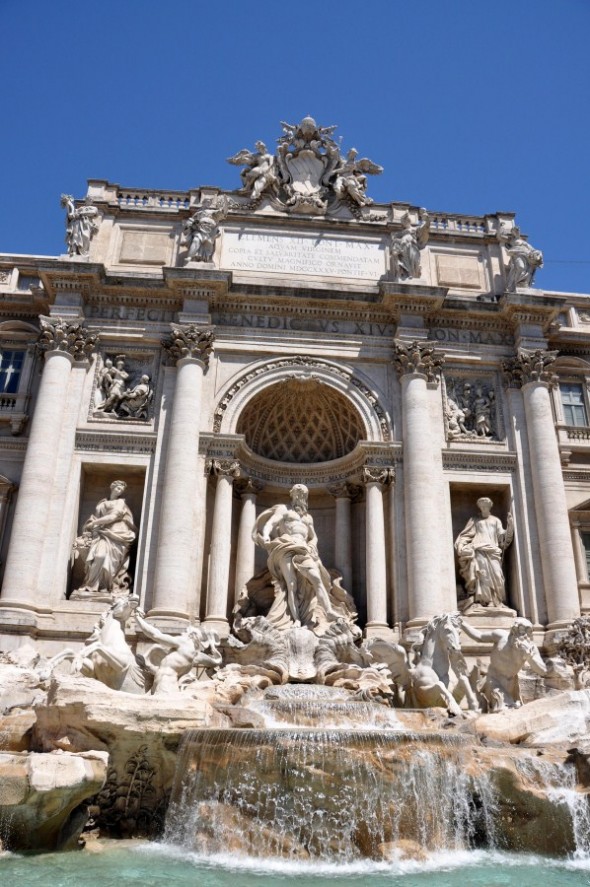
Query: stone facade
(210, 350)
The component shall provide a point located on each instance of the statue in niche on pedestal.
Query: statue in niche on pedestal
(305, 593)
(104, 545)
(406, 245)
(480, 548)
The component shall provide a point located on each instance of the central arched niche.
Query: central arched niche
(302, 421)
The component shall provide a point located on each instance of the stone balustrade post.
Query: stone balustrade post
(531, 370)
(248, 490)
(375, 480)
(226, 471)
(62, 343)
(174, 590)
(418, 364)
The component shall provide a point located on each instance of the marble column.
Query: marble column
(418, 365)
(343, 495)
(248, 490)
(375, 480)
(532, 371)
(226, 471)
(62, 342)
(174, 587)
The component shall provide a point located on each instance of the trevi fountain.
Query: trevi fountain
(295, 516)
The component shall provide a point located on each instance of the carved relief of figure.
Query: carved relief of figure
(455, 419)
(105, 541)
(81, 225)
(350, 178)
(406, 245)
(202, 230)
(260, 174)
(480, 548)
(524, 260)
(288, 535)
(512, 650)
(135, 401)
(113, 381)
(176, 655)
(482, 409)
(470, 410)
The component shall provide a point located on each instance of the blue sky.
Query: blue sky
(470, 107)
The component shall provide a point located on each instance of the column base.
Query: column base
(217, 623)
(169, 621)
(554, 633)
(380, 630)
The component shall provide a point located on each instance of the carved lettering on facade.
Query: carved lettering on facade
(471, 337)
(311, 255)
(131, 313)
(305, 324)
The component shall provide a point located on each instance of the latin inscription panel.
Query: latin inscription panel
(315, 255)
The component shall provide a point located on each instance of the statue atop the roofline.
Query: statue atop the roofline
(308, 172)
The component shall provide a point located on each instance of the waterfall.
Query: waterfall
(326, 793)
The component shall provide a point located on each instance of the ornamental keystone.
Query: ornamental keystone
(190, 340)
(70, 337)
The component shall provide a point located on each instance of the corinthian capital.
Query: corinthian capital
(190, 340)
(224, 467)
(374, 474)
(67, 336)
(530, 366)
(418, 357)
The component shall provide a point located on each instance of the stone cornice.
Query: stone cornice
(323, 474)
(411, 298)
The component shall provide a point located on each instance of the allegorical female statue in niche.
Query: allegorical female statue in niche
(104, 545)
(480, 548)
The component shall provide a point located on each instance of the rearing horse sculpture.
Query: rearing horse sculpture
(440, 652)
(426, 684)
(106, 656)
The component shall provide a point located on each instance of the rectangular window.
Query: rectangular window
(574, 407)
(11, 364)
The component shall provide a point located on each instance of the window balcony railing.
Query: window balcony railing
(577, 432)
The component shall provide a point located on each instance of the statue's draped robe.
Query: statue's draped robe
(480, 560)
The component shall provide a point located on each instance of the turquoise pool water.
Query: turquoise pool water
(157, 866)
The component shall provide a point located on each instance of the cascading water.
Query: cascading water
(340, 794)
